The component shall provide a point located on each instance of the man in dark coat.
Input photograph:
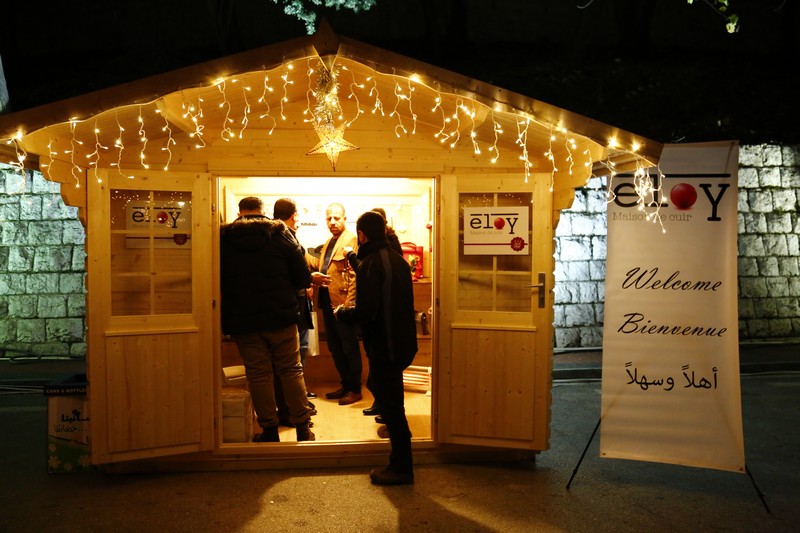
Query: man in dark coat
(285, 210)
(262, 269)
(385, 311)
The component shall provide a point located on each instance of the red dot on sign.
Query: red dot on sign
(517, 244)
(162, 217)
(499, 223)
(683, 196)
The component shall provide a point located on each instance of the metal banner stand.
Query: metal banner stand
(591, 438)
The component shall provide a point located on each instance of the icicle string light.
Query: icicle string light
(647, 190)
(354, 96)
(94, 157)
(522, 142)
(363, 88)
(73, 148)
(170, 141)
(118, 144)
(497, 132)
(226, 133)
(373, 92)
(286, 83)
(399, 97)
(51, 156)
(143, 140)
(21, 156)
(264, 100)
(441, 134)
(246, 112)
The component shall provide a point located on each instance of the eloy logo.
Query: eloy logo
(163, 215)
(682, 196)
(494, 220)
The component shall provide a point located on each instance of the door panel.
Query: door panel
(501, 407)
(495, 338)
(149, 315)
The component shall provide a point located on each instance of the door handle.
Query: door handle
(541, 286)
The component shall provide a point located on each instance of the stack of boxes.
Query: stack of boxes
(237, 407)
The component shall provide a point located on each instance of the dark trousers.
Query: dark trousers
(386, 383)
(343, 344)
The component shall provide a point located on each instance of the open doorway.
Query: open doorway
(409, 206)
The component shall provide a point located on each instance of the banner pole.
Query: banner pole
(758, 490)
(585, 449)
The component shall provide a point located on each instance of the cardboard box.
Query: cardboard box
(237, 415)
(68, 447)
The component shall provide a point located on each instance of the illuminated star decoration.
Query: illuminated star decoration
(327, 112)
(331, 143)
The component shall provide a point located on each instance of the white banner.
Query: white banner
(670, 390)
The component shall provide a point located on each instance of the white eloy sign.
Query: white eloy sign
(670, 390)
(496, 230)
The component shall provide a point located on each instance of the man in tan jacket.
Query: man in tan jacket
(339, 288)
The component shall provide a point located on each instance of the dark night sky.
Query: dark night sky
(660, 68)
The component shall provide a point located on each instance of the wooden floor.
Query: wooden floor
(347, 423)
(335, 422)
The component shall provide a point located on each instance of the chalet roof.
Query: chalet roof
(274, 88)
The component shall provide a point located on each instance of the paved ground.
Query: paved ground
(605, 496)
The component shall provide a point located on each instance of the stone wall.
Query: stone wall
(42, 260)
(42, 270)
(769, 253)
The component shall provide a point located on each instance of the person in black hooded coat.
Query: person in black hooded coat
(262, 268)
(385, 311)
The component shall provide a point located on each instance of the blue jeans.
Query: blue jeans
(281, 348)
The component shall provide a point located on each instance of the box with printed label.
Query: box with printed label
(237, 415)
(68, 448)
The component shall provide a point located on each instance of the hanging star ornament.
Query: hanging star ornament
(331, 143)
(327, 111)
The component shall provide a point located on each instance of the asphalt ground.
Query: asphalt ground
(605, 495)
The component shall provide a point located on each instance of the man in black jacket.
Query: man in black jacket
(262, 268)
(385, 310)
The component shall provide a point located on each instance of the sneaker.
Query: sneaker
(388, 476)
(269, 434)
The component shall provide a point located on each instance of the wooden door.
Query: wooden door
(149, 309)
(495, 332)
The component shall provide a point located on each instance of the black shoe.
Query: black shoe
(387, 476)
(285, 423)
(379, 420)
(311, 395)
(312, 406)
(372, 411)
(269, 434)
(335, 395)
(304, 433)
